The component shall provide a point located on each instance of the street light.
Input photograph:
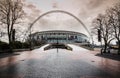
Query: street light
(30, 40)
(99, 33)
(57, 44)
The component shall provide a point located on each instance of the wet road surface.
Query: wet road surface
(79, 63)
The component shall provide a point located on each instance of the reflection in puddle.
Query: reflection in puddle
(52, 64)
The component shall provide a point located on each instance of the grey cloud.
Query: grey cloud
(86, 10)
(95, 3)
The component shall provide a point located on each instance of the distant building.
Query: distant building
(59, 36)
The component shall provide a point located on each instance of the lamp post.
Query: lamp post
(99, 33)
(30, 40)
(92, 43)
(57, 44)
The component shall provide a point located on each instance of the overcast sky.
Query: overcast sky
(85, 10)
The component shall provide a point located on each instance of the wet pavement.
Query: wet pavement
(79, 63)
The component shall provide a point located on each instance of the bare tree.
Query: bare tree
(0, 33)
(10, 13)
(3, 33)
(114, 14)
(102, 23)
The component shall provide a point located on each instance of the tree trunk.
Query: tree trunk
(10, 43)
(118, 47)
(105, 47)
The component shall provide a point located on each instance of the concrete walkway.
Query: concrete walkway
(79, 63)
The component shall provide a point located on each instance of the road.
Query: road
(79, 63)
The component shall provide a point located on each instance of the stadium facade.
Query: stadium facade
(59, 36)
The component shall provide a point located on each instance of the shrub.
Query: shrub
(4, 46)
(26, 45)
(17, 45)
